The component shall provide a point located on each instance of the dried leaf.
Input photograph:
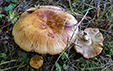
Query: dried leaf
(98, 10)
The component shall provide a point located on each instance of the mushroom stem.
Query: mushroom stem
(84, 36)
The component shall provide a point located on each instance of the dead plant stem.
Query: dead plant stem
(8, 62)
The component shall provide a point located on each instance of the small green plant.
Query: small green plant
(3, 57)
(0, 15)
(10, 7)
(65, 66)
(29, 68)
(24, 57)
(12, 16)
(58, 68)
(64, 56)
(35, 6)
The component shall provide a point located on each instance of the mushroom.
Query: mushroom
(36, 61)
(89, 42)
(44, 30)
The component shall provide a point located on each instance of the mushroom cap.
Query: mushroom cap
(89, 42)
(36, 61)
(41, 29)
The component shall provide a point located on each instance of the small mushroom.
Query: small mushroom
(36, 61)
(44, 30)
(89, 42)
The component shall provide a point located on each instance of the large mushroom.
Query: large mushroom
(46, 29)
(40, 29)
(89, 42)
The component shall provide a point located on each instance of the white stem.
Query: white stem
(85, 38)
(89, 42)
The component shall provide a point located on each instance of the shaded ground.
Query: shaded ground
(19, 59)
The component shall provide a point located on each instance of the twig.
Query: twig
(81, 15)
(11, 67)
(62, 29)
(20, 66)
(7, 62)
(5, 26)
(89, 5)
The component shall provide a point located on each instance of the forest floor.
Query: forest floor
(100, 15)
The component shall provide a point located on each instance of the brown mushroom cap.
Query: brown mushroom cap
(40, 30)
(36, 61)
(89, 42)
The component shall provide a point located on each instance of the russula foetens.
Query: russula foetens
(39, 30)
(36, 61)
(89, 42)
